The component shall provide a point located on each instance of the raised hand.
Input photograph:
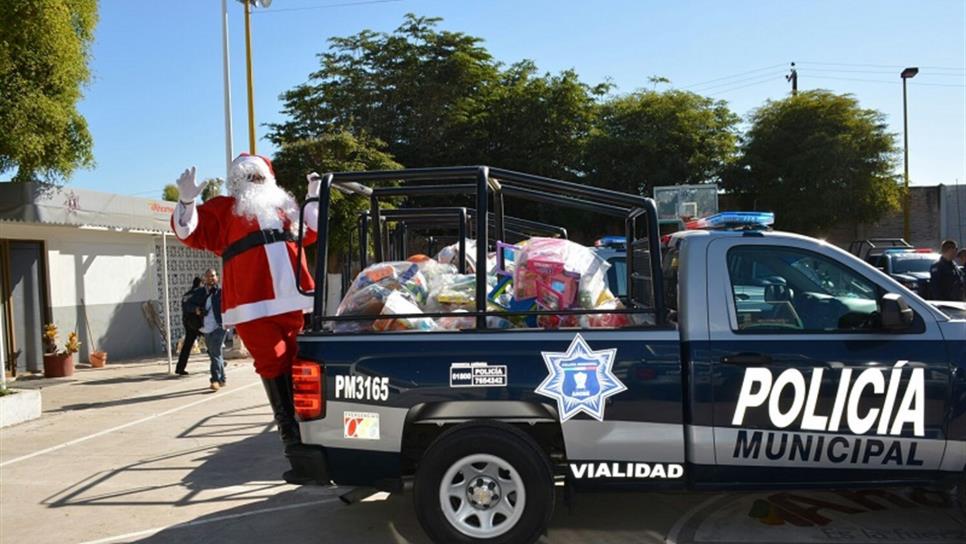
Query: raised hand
(315, 185)
(188, 191)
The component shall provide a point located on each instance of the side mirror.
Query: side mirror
(896, 315)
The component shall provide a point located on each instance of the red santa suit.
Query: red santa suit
(259, 294)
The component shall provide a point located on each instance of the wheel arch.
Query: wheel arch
(425, 422)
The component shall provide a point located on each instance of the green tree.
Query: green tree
(44, 54)
(649, 139)
(332, 153)
(170, 193)
(817, 159)
(213, 188)
(537, 124)
(412, 89)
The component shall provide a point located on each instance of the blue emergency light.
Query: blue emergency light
(617, 242)
(733, 220)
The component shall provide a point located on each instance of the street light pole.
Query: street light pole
(248, 64)
(906, 74)
(226, 72)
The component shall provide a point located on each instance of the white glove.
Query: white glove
(188, 191)
(315, 185)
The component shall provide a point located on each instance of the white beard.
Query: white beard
(263, 202)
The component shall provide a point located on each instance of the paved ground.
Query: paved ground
(129, 454)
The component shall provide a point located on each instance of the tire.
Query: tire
(500, 486)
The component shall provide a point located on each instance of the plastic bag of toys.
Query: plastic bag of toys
(609, 320)
(455, 323)
(450, 255)
(401, 303)
(393, 276)
(451, 292)
(558, 274)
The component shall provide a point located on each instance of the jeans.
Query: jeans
(215, 341)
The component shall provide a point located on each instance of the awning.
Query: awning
(52, 205)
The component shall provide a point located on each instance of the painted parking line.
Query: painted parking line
(217, 519)
(126, 425)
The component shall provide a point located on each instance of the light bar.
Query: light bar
(731, 220)
(611, 241)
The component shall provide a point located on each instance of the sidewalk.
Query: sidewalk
(90, 387)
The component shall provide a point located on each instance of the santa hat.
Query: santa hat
(246, 167)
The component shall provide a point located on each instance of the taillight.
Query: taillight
(307, 392)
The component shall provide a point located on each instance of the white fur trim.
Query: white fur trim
(311, 216)
(287, 298)
(246, 165)
(265, 308)
(185, 220)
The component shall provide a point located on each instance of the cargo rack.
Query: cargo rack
(443, 219)
(644, 279)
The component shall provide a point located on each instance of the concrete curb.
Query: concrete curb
(18, 406)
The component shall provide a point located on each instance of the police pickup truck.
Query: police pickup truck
(756, 359)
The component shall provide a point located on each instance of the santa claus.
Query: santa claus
(253, 230)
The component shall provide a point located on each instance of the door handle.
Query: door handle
(746, 359)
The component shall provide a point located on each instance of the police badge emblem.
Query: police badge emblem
(580, 379)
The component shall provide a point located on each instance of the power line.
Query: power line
(891, 66)
(840, 70)
(326, 6)
(752, 84)
(732, 76)
(887, 82)
(705, 88)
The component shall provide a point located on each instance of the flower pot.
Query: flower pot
(58, 366)
(97, 359)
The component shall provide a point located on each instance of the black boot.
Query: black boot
(279, 391)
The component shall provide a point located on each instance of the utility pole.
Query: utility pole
(226, 73)
(248, 71)
(793, 77)
(906, 74)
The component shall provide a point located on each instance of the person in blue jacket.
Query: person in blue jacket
(213, 330)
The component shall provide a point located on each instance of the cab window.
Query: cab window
(796, 291)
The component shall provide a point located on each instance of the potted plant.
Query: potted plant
(59, 363)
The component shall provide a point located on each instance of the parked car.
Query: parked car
(910, 267)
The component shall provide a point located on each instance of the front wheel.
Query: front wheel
(484, 483)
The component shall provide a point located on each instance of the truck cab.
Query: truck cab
(798, 361)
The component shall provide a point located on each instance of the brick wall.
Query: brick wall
(925, 221)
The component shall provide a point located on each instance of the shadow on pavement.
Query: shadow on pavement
(137, 378)
(242, 470)
(131, 400)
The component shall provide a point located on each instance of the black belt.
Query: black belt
(256, 239)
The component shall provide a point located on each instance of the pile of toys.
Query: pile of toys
(549, 274)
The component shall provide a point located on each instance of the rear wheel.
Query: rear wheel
(484, 483)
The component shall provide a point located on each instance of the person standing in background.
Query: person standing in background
(192, 316)
(213, 330)
(946, 280)
(961, 258)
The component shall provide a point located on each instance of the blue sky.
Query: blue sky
(155, 104)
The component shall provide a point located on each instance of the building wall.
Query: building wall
(925, 221)
(954, 204)
(184, 264)
(112, 273)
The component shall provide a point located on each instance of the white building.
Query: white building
(67, 252)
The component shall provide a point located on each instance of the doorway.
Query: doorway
(24, 299)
